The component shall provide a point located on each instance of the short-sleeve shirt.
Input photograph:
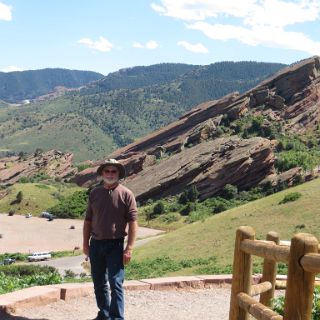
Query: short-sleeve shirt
(110, 211)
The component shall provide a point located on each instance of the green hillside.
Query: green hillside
(37, 197)
(214, 236)
(111, 119)
(21, 85)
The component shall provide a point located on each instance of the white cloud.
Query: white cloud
(157, 8)
(277, 13)
(152, 44)
(259, 35)
(253, 22)
(195, 48)
(102, 44)
(5, 12)
(266, 12)
(201, 9)
(11, 69)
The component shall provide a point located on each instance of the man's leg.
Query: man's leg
(98, 272)
(116, 277)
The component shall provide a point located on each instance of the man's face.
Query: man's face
(110, 175)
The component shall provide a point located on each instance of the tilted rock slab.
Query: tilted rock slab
(209, 166)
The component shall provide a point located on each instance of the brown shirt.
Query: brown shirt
(110, 211)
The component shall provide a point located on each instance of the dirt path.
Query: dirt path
(202, 304)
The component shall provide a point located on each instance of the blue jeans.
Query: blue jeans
(106, 258)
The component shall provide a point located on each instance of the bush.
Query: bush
(278, 304)
(73, 206)
(170, 217)
(158, 209)
(189, 195)
(229, 191)
(188, 208)
(220, 207)
(19, 197)
(192, 193)
(69, 274)
(15, 277)
(293, 196)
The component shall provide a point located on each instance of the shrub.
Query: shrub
(158, 209)
(189, 195)
(192, 193)
(293, 196)
(19, 197)
(14, 277)
(229, 191)
(220, 207)
(69, 274)
(170, 217)
(73, 206)
(278, 304)
(183, 199)
(188, 208)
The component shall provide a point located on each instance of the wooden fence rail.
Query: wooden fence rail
(303, 261)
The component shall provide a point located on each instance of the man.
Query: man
(111, 208)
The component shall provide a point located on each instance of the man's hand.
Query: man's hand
(86, 251)
(127, 253)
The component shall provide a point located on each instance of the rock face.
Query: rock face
(208, 166)
(190, 150)
(53, 163)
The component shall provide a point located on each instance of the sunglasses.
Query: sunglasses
(110, 171)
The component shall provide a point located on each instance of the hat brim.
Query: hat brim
(121, 168)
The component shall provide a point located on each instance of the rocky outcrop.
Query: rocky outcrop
(208, 166)
(53, 163)
(191, 150)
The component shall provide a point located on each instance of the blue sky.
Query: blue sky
(106, 35)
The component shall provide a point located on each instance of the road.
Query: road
(75, 263)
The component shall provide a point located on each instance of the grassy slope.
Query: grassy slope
(39, 196)
(215, 236)
(71, 133)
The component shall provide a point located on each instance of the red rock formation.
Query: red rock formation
(190, 152)
(53, 163)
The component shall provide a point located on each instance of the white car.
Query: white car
(28, 215)
(39, 256)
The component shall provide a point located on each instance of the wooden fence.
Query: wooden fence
(303, 261)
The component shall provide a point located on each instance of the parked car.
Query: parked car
(39, 256)
(45, 214)
(9, 261)
(28, 215)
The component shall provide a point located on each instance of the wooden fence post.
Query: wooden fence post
(269, 272)
(242, 273)
(300, 283)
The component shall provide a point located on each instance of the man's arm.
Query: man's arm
(86, 237)
(132, 232)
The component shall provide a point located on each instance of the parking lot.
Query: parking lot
(34, 234)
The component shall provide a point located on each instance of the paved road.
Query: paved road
(75, 263)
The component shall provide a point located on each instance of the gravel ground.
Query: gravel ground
(201, 304)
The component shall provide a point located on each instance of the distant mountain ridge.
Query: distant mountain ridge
(98, 120)
(139, 77)
(26, 85)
